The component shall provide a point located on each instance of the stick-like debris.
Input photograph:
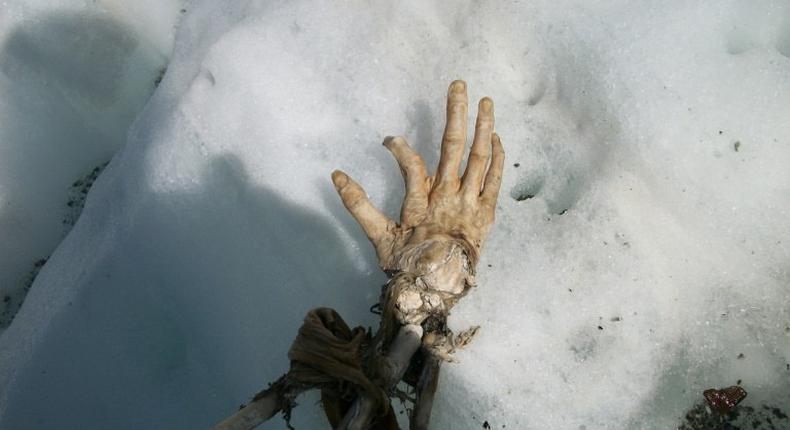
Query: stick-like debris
(426, 390)
(253, 414)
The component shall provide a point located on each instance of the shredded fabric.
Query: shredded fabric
(326, 352)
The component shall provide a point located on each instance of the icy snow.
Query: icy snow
(73, 76)
(641, 244)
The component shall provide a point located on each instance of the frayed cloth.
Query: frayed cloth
(326, 352)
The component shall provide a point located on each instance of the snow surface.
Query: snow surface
(652, 253)
(73, 76)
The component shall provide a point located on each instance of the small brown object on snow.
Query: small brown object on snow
(724, 400)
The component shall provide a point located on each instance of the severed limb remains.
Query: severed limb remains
(430, 255)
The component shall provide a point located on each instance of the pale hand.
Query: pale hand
(440, 208)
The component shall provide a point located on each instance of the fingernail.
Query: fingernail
(458, 86)
(339, 179)
(486, 104)
(388, 140)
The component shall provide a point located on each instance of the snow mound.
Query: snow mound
(640, 254)
(73, 76)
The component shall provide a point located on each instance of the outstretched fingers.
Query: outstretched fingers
(493, 181)
(454, 137)
(376, 225)
(415, 202)
(481, 149)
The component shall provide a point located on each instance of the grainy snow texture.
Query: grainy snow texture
(73, 76)
(642, 243)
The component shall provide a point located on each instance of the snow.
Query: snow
(651, 254)
(73, 76)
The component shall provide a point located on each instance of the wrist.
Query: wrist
(430, 278)
(441, 263)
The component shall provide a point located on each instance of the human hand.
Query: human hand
(439, 209)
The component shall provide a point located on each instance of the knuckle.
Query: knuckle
(477, 156)
(457, 106)
(413, 160)
(453, 136)
(484, 121)
(356, 201)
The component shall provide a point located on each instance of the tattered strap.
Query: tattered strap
(326, 352)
